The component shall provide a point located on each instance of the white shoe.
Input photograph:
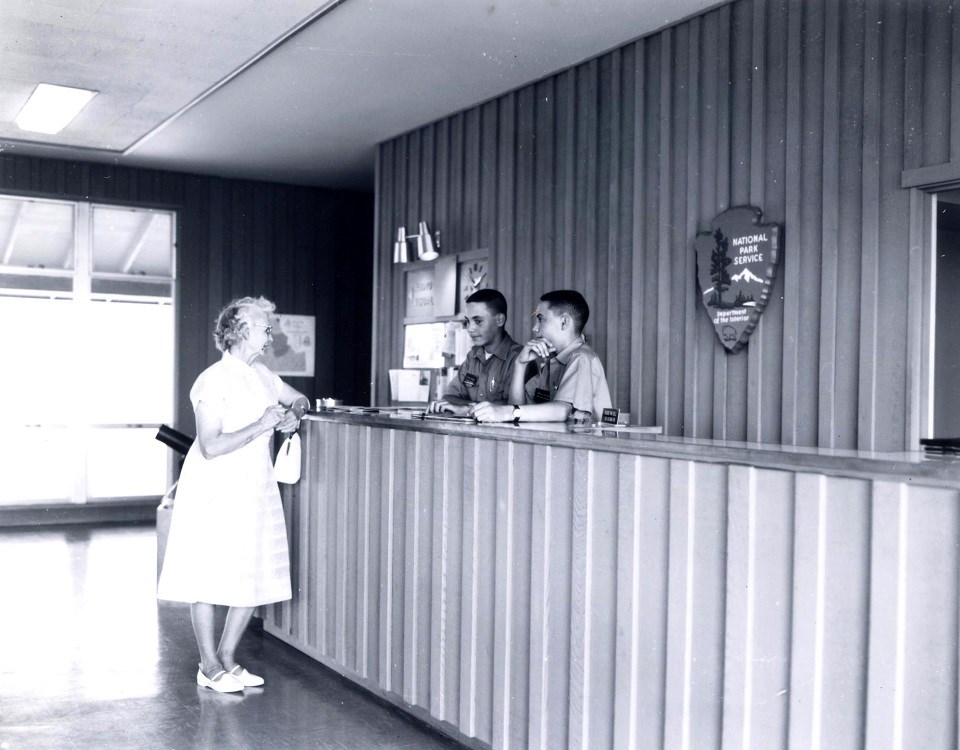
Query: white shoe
(246, 678)
(222, 681)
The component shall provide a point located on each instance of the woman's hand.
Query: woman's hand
(272, 416)
(289, 423)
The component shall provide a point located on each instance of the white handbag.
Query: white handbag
(286, 468)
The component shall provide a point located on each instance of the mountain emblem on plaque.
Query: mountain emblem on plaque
(736, 266)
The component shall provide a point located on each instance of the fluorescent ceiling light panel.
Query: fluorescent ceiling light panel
(50, 108)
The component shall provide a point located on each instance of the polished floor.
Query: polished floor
(88, 660)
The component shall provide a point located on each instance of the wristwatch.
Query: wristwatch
(516, 414)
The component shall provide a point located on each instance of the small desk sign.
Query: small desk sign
(610, 416)
(736, 266)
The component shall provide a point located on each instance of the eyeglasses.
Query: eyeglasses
(267, 329)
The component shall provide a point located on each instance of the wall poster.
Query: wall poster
(293, 350)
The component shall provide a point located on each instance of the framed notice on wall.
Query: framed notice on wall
(430, 289)
(293, 350)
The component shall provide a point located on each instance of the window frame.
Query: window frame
(83, 276)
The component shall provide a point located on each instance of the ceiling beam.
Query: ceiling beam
(14, 229)
(325, 8)
(138, 240)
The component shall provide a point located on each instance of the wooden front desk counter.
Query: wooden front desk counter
(525, 586)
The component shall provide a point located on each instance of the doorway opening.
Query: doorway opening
(946, 359)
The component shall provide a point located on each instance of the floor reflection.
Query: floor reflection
(87, 659)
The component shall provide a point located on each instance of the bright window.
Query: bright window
(87, 303)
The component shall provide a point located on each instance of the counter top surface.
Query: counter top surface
(909, 466)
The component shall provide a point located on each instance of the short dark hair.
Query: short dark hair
(492, 298)
(568, 302)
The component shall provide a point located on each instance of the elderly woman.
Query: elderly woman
(228, 542)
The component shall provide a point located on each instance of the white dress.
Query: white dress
(228, 541)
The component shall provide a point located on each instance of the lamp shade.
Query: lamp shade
(400, 246)
(425, 247)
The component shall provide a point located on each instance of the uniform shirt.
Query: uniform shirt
(576, 376)
(486, 379)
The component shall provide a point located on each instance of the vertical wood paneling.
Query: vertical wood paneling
(679, 608)
(758, 615)
(505, 255)
(446, 576)
(303, 494)
(643, 409)
(511, 612)
(545, 185)
(525, 182)
(885, 698)
(476, 653)
(368, 554)
(469, 591)
(550, 587)
(830, 291)
(890, 373)
(809, 110)
(456, 216)
(642, 544)
(694, 409)
(737, 71)
(930, 646)
(416, 573)
(666, 384)
(567, 167)
(349, 581)
(584, 598)
(488, 176)
(600, 608)
(579, 707)
(791, 264)
(300, 581)
(390, 622)
(471, 178)
(585, 210)
(723, 395)
(833, 522)
(441, 198)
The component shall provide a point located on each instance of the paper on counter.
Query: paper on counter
(409, 385)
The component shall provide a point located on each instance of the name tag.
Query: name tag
(541, 396)
(470, 380)
(610, 416)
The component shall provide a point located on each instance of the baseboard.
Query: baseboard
(140, 510)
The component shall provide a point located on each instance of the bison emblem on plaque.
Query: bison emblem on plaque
(736, 265)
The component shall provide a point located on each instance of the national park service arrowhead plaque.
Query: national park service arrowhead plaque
(736, 265)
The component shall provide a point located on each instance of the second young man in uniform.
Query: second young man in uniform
(569, 380)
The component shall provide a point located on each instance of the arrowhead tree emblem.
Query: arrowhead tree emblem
(736, 266)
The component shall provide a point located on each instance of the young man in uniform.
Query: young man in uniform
(485, 374)
(570, 379)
